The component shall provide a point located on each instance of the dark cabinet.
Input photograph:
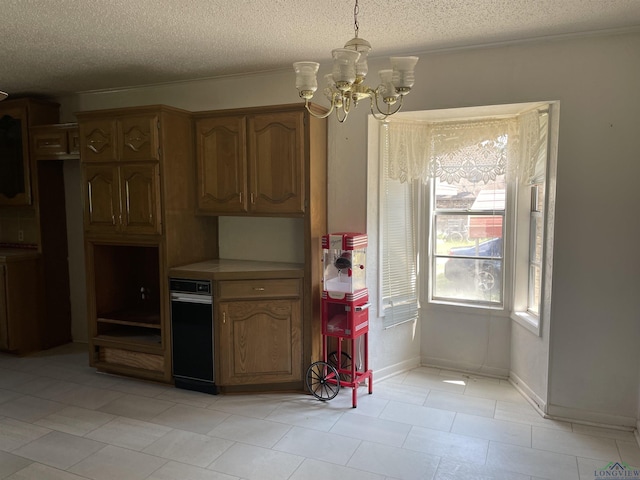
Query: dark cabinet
(19, 295)
(16, 116)
(14, 164)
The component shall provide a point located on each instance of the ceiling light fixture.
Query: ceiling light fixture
(3, 95)
(345, 85)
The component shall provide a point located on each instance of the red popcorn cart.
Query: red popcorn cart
(345, 316)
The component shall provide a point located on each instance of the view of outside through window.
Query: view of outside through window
(467, 241)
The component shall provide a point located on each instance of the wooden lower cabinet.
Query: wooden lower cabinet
(260, 339)
(19, 295)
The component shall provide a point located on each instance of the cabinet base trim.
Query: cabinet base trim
(196, 385)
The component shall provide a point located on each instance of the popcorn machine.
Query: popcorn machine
(345, 316)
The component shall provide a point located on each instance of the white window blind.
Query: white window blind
(398, 273)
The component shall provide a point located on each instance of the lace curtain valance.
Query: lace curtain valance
(478, 151)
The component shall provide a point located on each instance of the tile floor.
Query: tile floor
(61, 420)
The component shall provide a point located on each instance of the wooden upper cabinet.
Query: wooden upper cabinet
(125, 139)
(16, 117)
(103, 199)
(98, 140)
(138, 138)
(120, 154)
(60, 141)
(15, 184)
(276, 154)
(139, 187)
(222, 164)
(251, 163)
(122, 198)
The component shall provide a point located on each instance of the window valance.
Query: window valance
(476, 150)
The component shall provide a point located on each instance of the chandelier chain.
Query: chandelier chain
(356, 26)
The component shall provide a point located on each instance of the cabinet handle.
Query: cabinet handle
(224, 317)
(113, 219)
(253, 200)
(259, 289)
(240, 197)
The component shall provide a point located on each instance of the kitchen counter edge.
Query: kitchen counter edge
(223, 269)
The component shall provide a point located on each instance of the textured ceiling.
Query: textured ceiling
(58, 47)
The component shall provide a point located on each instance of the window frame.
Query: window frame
(433, 256)
(523, 231)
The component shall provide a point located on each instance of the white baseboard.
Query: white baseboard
(573, 415)
(586, 417)
(465, 367)
(392, 370)
(532, 397)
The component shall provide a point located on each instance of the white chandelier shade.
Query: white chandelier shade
(345, 85)
(3, 95)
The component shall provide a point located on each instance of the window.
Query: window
(467, 231)
(482, 224)
(534, 286)
(531, 229)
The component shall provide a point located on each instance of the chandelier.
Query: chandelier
(345, 84)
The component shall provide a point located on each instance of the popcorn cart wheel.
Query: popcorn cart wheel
(343, 366)
(323, 381)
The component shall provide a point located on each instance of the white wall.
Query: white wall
(586, 365)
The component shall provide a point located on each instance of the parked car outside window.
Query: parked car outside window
(480, 264)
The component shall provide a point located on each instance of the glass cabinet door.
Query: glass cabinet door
(14, 161)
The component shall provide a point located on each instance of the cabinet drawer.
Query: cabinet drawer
(287, 287)
(53, 142)
(128, 358)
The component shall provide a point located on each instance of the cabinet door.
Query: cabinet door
(98, 140)
(140, 184)
(4, 314)
(15, 187)
(102, 210)
(260, 342)
(276, 163)
(138, 138)
(222, 164)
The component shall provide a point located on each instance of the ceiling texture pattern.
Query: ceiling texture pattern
(61, 47)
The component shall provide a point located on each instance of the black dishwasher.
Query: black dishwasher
(192, 334)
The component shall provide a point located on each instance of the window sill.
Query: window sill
(528, 321)
(435, 305)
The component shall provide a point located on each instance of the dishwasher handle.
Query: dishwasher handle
(191, 298)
